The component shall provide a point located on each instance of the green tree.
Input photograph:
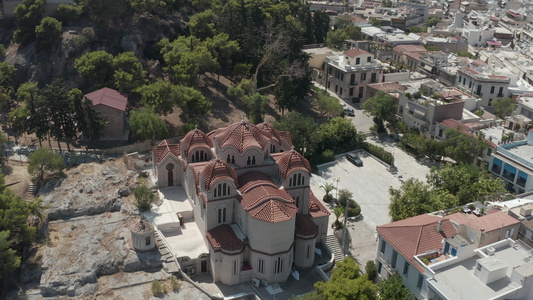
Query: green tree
(320, 26)
(376, 22)
(90, 122)
(415, 198)
(393, 288)
(144, 197)
(7, 76)
(340, 135)
(415, 29)
(337, 38)
(328, 188)
(9, 261)
(303, 131)
(346, 283)
(129, 73)
(160, 96)
(192, 102)
(67, 13)
(96, 67)
(503, 107)
(152, 6)
(48, 32)
(432, 21)
(353, 208)
(382, 106)
(28, 15)
(44, 161)
(328, 105)
(145, 124)
(256, 102)
(202, 24)
(105, 10)
(463, 147)
(371, 270)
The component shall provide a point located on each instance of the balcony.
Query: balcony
(499, 95)
(353, 83)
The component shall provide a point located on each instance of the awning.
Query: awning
(509, 168)
(497, 162)
(494, 43)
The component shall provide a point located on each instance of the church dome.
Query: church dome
(195, 138)
(216, 170)
(242, 136)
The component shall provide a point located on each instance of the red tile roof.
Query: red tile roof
(497, 77)
(263, 200)
(290, 161)
(216, 170)
(240, 135)
(410, 48)
(223, 237)
(493, 220)
(109, 97)
(387, 87)
(413, 55)
(274, 134)
(163, 149)
(356, 52)
(416, 235)
(305, 227)
(465, 69)
(454, 124)
(477, 62)
(195, 138)
(316, 208)
(286, 137)
(197, 169)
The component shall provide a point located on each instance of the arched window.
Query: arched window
(248, 161)
(253, 160)
(228, 159)
(205, 156)
(233, 159)
(147, 241)
(278, 265)
(222, 215)
(297, 200)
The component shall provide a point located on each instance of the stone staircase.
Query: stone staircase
(333, 244)
(168, 260)
(32, 188)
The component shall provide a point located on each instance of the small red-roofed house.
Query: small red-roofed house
(112, 105)
(250, 199)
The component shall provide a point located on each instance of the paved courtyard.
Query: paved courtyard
(369, 185)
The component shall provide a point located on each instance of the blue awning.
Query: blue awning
(522, 174)
(509, 168)
(497, 162)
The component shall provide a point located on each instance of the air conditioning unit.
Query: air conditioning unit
(256, 282)
(264, 282)
(491, 250)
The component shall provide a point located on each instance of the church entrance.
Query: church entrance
(170, 176)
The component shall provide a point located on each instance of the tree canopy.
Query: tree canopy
(44, 161)
(96, 67)
(503, 107)
(48, 32)
(346, 283)
(28, 15)
(447, 187)
(382, 106)
(146, 125)
(393, 288)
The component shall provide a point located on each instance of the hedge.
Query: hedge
(378, 152)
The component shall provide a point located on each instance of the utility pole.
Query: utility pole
(344, 230)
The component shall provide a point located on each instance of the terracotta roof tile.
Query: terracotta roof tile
(286, 137)
(274, 134)
(356, 52)
(109, 97)
(305, 227)
(197, 169)
(142, 226)
(263, 200)
(223, 237)
(416, 235)
(316, 208)
(493, 220)
(410, 48)
(413, 55)
(195, 138)
(241, 135)
(163, 149)
(215, 170)
(290, 161)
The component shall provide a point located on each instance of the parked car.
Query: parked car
(349, 111)
(354, 159)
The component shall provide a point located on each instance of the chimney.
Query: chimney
(438, 228)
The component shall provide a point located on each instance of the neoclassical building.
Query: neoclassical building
(250, 196)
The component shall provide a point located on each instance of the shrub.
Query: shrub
(143, 197)
(354, 209)
(378, 152)
(158, 289)
(371, 270)
(176, 285)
